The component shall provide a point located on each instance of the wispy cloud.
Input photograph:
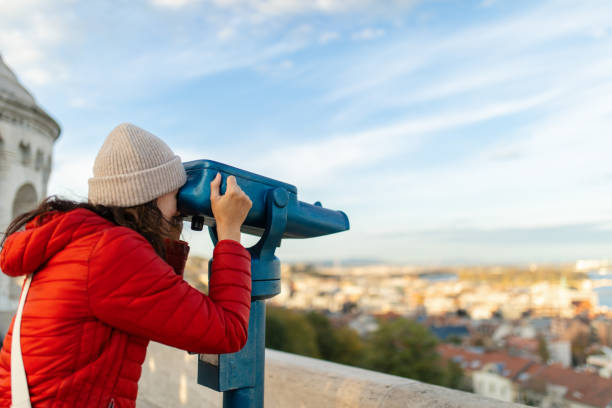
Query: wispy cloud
(368, 34)
(493, 124)
(328, 36)
(476, 46)
(173, 4)
(274, 8)
(313, 164)
(31, 30)
(558, 174)
(570, 234)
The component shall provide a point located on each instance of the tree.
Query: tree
(290, 331)
(324, 333)
(338, 344)
(352, 348)
(543, 349)
(453, 376)
(579, 345)
(405, 348)
(400, 346)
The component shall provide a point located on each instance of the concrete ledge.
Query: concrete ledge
(293, 380)
(169, 380)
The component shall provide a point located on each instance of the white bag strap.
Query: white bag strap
(20, 394)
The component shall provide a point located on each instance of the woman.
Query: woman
(107, 278)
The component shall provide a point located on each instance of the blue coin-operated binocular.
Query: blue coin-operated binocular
(276, 214)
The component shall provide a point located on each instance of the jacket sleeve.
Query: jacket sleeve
(131, 288)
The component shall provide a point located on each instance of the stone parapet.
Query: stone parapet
(169, 380)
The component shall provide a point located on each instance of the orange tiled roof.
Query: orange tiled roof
(582, 387)
(472, 361)
(585, 388)
(522, 343)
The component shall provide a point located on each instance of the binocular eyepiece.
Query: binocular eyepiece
(303, 220)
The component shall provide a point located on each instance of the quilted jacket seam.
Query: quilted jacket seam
(234, 253)
(89, 272)
(193, 317)
(235, 269)
(113, 390)
(154, 292)
(61, 225)
(133, 275)
(90, 368)
(169, 319)
(231, 247)
(76, 360)
(116, 260)
(28, 238)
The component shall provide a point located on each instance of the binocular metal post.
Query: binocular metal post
(241, 375)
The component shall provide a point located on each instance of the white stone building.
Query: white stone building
(27, 134)
(494, 381)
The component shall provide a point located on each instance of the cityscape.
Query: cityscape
(467, 143)
(540, 335)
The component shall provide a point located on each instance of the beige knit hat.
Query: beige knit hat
(133, 167)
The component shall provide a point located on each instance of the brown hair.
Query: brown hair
(146, 219)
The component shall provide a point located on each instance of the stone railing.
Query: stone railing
(169, 380)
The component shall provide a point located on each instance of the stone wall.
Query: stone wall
(169, 380)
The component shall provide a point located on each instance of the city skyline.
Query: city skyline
(472, 133)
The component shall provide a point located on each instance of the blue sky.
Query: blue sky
(449, 132)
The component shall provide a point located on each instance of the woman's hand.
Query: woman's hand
(230, 209)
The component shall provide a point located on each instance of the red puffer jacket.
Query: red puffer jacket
(98, 295)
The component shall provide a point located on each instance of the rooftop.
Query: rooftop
(584, 387)
(470, 361)
(11, 88)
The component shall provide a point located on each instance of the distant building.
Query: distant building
(27, 135)
(556, 386)
(560, 352)
(493, 374)
(504, 377)
(522, 347)
(496, 378)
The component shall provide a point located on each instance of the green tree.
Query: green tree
(579, 344)
(453, 377)
(351, 348)
(543, 349)
(400, 347)
(326, 339)
(405, 348)
(290, 331)
(338, 344)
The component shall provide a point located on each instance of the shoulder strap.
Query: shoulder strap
(19, 384)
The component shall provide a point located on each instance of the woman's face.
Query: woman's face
(167, 205)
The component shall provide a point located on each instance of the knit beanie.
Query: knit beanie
(134, 167)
